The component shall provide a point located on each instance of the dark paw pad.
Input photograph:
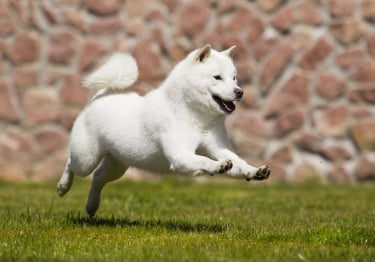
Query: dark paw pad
(262, 173)
(225, 167)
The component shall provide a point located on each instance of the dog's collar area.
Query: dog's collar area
(226, 106)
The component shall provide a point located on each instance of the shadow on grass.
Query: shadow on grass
(175, 225)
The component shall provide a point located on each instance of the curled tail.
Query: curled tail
(118, 73)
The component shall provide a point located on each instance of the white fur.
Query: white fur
(120, 72)
(176, 128)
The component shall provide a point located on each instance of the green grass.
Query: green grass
(180, 220)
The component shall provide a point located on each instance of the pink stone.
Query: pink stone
(336, 153)
(338, 175)
(76, 18)
(251, 123)
(365, 73)
(334, 120)
(107, 7)
(134, 26)
(50, 168)
(289, 122)
(308, 14)
(316, 54)
(256, 31)
(24, 48)
(275, 64)
(293, 93)
(365, 169)
(278, 171)
(245, 71)
(269, 5)
(283, 154)
(140, 8)
(72, 91)
(368, 10)
(348, 31)
(171, 4)
(371, 44)
(19, 10)
(92, 49)
(7, 24)
(52, 76)
(193, 18)
(176, 52)
(52, 14)
(349, 57)
(227, 6)
(309, 142)
(330, 86)
(51, 139)
(241, 19)
(67, 115)
(17, 154)
(25, 77)
(341, 7)
(158, 33)
(248, 146)
(363, 94)
(284, 18)
(105, 26)
(41, 105)
(149, 62)
(363, 134)
(305, 172)
(264, 47)
(249, 99)
(63, 47)
(361, 112)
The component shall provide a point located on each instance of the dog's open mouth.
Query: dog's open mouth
(226, 106)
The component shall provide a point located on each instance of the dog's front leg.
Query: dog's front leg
(216, 146)
(184, 160)
(241, 169)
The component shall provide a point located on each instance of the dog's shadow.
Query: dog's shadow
(174, 225)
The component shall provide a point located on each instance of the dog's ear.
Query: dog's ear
(203, 54)
(230, 51)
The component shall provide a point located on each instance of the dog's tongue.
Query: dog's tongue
(229, 106)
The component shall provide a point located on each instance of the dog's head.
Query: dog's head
(211, 80)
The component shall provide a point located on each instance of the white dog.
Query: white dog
(178, 127)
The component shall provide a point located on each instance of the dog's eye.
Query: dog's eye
(218, 77)
(234, 78)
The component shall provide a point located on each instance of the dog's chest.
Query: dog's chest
(199, 138)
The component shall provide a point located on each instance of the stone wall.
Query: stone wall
(307, 68)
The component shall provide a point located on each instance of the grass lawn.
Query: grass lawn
(180, 220)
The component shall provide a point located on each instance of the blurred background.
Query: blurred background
(307, 69)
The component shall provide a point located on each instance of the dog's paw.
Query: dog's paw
(261, 173)
(63, 188)
(224, 166)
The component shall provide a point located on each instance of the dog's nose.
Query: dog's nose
(238, 92)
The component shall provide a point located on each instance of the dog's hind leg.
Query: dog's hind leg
(66, 180)
(84, 157)
(109, 170)
(76, 166)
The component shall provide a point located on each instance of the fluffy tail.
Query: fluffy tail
(119, 73)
